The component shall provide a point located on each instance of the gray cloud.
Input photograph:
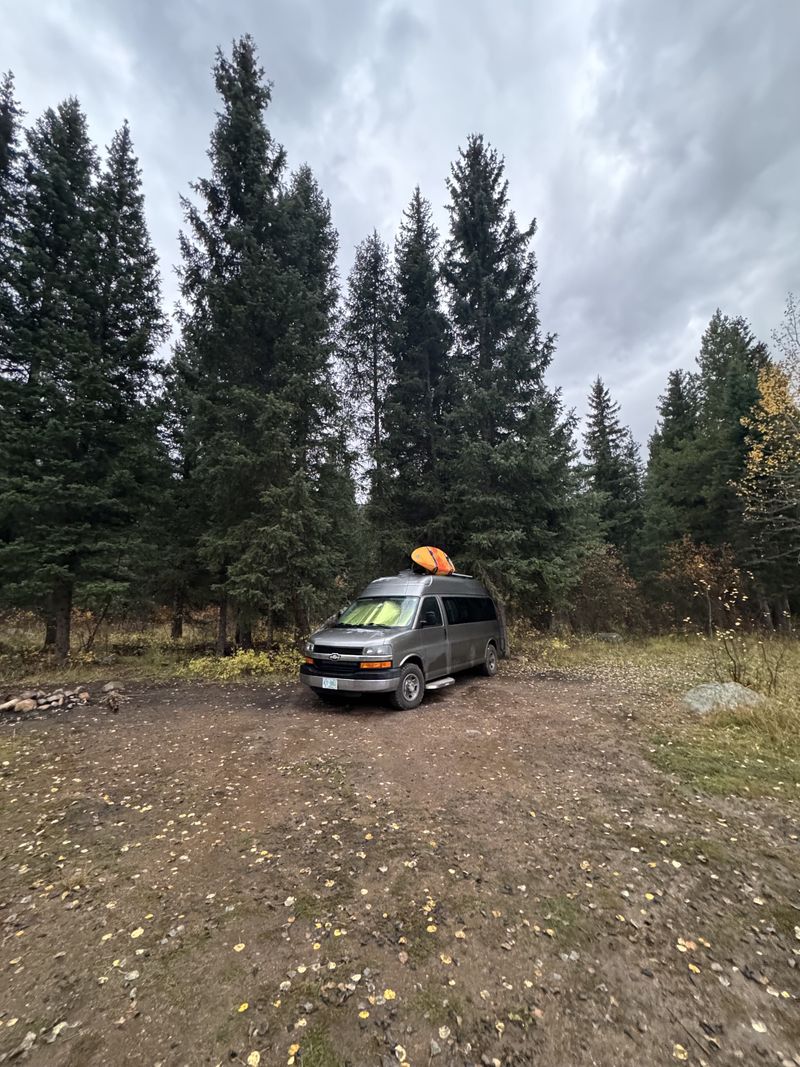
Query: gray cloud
(656, 143)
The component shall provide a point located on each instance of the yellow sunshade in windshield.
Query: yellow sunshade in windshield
(391, 612)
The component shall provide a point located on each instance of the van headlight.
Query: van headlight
(377, 650)
(308, 647)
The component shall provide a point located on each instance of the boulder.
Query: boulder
(113, 687)
(721, 696)
(9, 704)
(27, 704)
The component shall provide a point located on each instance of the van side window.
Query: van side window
(430, 603)
(461, 609)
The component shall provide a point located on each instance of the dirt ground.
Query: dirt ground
(242, 875)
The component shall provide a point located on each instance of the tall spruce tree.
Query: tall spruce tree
(366, 357)
(10, 212)
(511, 502)
(78, 436)
(727, 383)
(613, 472)
(259, 288)
(672, 481)
(368, 336)
(417, 395)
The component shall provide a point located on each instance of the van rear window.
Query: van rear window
(461, 609)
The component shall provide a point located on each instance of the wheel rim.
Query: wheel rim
(410, 687)
(491, 659)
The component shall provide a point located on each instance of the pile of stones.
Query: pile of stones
(39, 700)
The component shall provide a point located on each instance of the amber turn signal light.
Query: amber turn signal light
(377, 663)
(309, 660)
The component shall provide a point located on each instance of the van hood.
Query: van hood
(352, 636)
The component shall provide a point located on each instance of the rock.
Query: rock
(83, 696)
(113, 687)
(26, 704)
(9, 705)
(721, 696)
(436, 1048)
(610, 638)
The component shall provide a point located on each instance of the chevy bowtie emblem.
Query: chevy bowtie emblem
(334, 655)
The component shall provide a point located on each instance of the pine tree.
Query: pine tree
(672, 482)
(417, 396)
(10, 211)
(78, 433)
(368, 336)
(511, 501)
(129, 327)
(259, 285)
(613, 472)
(727, 382)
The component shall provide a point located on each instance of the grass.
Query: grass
(564, 915)
(317, 1050)
(723, 762)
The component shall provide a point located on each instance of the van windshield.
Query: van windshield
(390, 612)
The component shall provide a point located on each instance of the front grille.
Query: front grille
(338, 667)
(343, 650)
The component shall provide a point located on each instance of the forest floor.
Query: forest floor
(539, 868)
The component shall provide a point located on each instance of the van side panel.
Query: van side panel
(472, 623)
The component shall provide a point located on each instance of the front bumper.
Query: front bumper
(384, 681)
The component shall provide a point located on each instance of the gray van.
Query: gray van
(403, 635)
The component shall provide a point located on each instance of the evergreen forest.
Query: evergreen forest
(287, 434)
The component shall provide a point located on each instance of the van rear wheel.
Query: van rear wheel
(410, 688)
(489, 665)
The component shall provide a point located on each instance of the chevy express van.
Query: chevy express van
(403, 635)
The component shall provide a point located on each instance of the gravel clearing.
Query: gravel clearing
(239, 875)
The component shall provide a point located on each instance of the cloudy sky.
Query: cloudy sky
(657, 143)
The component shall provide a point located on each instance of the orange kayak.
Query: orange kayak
(433, 560)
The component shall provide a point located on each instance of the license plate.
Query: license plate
(330, 683)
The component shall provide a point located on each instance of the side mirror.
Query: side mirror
(429, 618)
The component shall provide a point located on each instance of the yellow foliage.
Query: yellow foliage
(245, 663)
(770, 485)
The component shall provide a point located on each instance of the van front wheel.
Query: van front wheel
(410, 689)
(489, 665)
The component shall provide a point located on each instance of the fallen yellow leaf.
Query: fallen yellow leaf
(244, 1006)
(238, 948)
(389, 994)
(254, 1058)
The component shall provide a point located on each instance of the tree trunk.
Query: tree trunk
(785, 615)
(222, 626)
(176, 628)
(62, 612)
(49, 629)
(244, 631)
(765, 611)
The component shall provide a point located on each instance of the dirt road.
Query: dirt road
(240, 875)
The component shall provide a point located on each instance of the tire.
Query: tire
(489, 665)
(410, 688)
